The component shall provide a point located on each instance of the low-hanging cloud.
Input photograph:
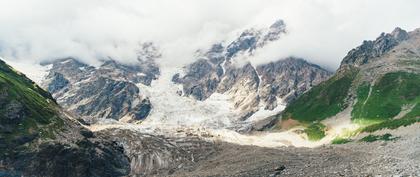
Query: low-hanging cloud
(319, 31)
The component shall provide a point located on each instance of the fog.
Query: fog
(322, 32)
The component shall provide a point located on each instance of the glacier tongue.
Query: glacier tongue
(172, 110)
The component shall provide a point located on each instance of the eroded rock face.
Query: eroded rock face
(217, 71)
(104, 98)
(201, 80)
(105, 92)
(288, 79)
(370, 50)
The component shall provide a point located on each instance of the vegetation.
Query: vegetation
(340, 140)
(315, 131)
(26, 111)
(385, 101)
(384, 137)
(322, 101)
(391, 124)
(387, 97)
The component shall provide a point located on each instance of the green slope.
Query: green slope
(387, 97)
(26, 111)
(35, 140)
(323, 100)
(375, 107)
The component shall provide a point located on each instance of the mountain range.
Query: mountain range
(118, 91)
(219, 115)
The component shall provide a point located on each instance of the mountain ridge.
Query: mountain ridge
(37, 138)
(375, 86)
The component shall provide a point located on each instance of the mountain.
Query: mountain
(108, 91)
(376, 86)
(251, 87)
(37, 138)
(147, 92)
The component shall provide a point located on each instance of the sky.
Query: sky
(320, 31)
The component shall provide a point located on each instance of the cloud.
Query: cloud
(319, 31)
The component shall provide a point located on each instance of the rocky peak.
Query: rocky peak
(370, 50)
(274, 31)
(288, 78)
(249, 86)
(141, 72)
(399, 34)
(71, 67)
(278, 25)
(148, 51)
(107, 91)
(251, 39)
(246, 42)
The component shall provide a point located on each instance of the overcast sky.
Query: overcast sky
(320, 31)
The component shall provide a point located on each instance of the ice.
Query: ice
(173, 110)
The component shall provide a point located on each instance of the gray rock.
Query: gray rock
(108, 91)
(370, 50)
(58, 82)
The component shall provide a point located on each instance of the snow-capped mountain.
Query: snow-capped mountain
(377, 84)
(252, 88)
(214, 91)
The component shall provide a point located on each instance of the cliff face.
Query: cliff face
(369, 50)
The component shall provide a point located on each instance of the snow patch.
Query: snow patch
(263, 113)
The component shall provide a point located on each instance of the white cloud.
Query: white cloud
(320, 31)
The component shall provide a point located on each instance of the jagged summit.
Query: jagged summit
(251, 39)
(279, 25)
(251, 87)
(369, 50)
(399, 34)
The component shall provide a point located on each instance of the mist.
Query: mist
(321, 32)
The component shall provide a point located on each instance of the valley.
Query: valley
(220, 115)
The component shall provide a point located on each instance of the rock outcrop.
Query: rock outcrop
(105, 92)
(370, 50)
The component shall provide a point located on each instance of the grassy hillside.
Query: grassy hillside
(388, 96)
(26, 111)
(323, 100)
(386, 100)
